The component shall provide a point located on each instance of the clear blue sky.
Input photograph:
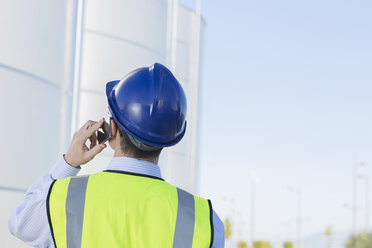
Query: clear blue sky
(287, 92)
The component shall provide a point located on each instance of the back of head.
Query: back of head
(149, 108)
(129, 148)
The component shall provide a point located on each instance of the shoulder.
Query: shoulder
(219, 231)
(217, 222)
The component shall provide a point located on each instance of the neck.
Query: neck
(119, 153)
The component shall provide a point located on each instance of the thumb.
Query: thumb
(95, 150)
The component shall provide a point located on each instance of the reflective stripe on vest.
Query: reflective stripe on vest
(184, 232)
(71, 200)
(75, 203)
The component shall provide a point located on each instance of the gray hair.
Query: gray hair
(142, 146)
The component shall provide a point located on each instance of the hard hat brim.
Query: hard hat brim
(109, 86)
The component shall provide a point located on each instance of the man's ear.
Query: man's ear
(114, 128)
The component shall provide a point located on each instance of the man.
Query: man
(129, 204)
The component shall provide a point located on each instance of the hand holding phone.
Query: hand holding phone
(104, 136)
(78, 152)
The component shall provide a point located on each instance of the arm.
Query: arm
(219, 232)
(28, 221)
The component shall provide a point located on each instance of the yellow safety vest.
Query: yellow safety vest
(122, 209)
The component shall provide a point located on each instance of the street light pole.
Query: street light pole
(253, 211)
(354, 205)
(366, 178)
(255, 180)
(354, 210)
(367, 202)
(299, 219)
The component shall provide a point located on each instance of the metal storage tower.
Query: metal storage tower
(55, 59)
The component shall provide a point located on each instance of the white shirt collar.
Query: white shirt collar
(134, 165)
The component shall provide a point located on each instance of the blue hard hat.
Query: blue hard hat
(150, 105)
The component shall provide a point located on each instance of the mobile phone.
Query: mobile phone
(104, 136)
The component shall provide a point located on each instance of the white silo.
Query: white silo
(36, 71)
(49, 88)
